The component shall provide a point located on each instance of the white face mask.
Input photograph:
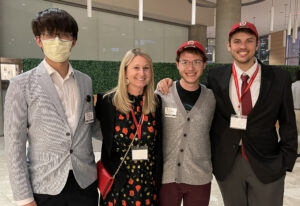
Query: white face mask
(56, 49)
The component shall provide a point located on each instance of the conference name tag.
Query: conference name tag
(238, 122)
(89, 117)
(170, 112)
(139, 153)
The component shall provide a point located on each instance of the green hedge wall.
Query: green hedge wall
(105, 73)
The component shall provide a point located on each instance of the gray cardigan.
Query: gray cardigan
(186, 141)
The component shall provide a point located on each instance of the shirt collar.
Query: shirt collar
(249, 72)
(52, 71)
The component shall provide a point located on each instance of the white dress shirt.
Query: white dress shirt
(254, 88)
(67, 90)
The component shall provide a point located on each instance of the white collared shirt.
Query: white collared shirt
(67, 90)
(254, 88)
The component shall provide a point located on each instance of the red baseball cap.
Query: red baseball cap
(243, 24)
(193, 44)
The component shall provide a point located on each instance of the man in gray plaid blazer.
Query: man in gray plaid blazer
(51, 108)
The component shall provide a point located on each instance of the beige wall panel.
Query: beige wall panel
(277, 51)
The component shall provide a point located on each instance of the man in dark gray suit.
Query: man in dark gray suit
(51, 108)
(249, 159)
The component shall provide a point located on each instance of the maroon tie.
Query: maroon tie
(246, 98)
(246, 104)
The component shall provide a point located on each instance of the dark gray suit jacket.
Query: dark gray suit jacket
(268, 157)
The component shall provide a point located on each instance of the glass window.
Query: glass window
(149, 37)
(292, 51)
(263, 51)
(210, 50)
(105, 36)
(16, 37)
(173, 37)
(116, 36)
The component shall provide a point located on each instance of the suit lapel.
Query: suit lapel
(81, 97)
(46, 83)
(265, 85)
(224, 82)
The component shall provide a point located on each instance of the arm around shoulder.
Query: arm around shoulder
(164, 85)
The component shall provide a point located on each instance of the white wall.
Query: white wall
(105, 36)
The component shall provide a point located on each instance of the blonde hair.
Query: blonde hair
(121, 99)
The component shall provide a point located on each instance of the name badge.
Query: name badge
(89, 117)
(238, 122)
(139, 153)
(170, 112)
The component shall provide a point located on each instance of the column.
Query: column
(198, 33)
(228, 13)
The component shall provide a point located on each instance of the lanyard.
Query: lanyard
(138, 125)
(237, 84)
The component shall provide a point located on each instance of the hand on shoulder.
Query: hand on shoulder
(164, 85)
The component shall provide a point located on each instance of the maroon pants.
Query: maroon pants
(172, 194)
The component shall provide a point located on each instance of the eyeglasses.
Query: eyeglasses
(63, 36)
(195, 63)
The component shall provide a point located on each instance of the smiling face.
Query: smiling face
(138, 73)
(190, 67)
(242, 47)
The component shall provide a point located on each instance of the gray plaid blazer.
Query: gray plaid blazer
(33, 112)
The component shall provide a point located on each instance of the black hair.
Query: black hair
(192, 50)
(54, 20)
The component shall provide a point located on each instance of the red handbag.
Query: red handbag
(105, 180)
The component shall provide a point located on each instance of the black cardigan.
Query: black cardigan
(105, 113)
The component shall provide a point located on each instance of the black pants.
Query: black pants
(71, 195)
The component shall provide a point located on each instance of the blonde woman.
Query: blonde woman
(132, 110)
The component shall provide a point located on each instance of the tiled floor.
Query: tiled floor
(291, 198)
